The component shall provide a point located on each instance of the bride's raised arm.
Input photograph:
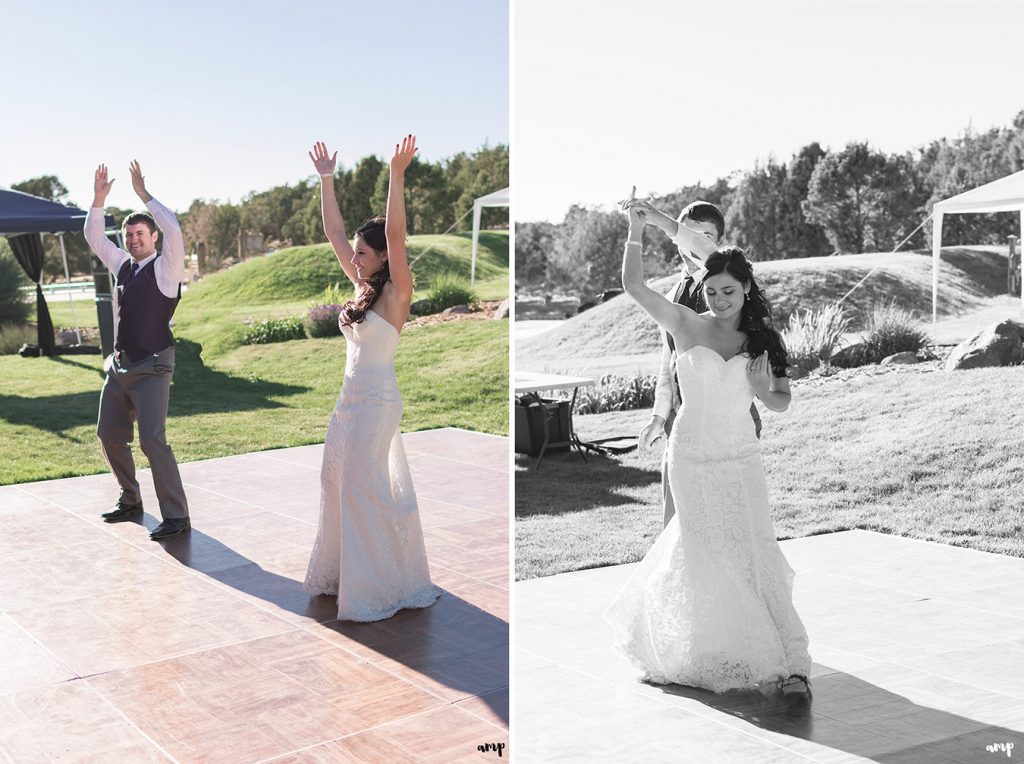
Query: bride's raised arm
(671, 317)
(395, 227)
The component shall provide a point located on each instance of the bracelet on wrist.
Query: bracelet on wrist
(327, 175)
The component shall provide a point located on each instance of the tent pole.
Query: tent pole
(476, 239)
(936, 248)
(1020, 257)
(67, 275)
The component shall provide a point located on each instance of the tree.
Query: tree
(223, 239)
(755, 217)
(801, 238)
(196, 228)
(483, 173)
(357, 204)
(534, 245)
(587, 252)
(862, 198)
(949, 167)
(426, 199)
(45, 186)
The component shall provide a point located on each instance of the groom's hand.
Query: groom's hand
(653, 432)
(139, 182)
(101, 186)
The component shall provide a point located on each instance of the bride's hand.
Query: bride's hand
(323, 163)
(759, 374)
(404, 152)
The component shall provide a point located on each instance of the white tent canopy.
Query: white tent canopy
(1003, 195)
(496, 199)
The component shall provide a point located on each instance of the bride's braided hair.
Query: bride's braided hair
(756, 313)
(354, 311)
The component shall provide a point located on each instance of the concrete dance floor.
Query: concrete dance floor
(205, 648)
(918, 650)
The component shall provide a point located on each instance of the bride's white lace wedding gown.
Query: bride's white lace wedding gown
(369, 544)
(711, 604)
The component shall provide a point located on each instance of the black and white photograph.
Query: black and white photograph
(768, 387)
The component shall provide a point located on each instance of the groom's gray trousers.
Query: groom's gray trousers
(139, 392)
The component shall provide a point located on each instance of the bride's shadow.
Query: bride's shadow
(453, 643)
(852, 715)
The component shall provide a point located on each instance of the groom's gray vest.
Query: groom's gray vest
(144, 312)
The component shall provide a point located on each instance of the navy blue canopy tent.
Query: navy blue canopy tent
(23, 220)
(24, 213)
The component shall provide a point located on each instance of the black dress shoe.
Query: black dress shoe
(123, 512)
(171, 527)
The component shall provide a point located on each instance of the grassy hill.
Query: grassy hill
(969, 275)
(213, 312)
(301, 273)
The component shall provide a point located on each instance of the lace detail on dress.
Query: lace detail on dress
(711, 604)
(369, 548)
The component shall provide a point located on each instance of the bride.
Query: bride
(711, 603)
(369, 544)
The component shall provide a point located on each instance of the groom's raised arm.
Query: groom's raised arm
(693, 245)
(170, 266)
(95, 229)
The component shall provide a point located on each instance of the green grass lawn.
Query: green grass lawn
(258, 397)
(229, 398)
(934, 456)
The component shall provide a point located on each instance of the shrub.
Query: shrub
(13, 336)
(322, 320)
(274, 330)
(448, 290)
(889, 329)
(333, 294)
(15, 308)
(616, 393)
(813, 336)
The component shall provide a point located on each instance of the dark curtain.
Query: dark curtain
(28, 250)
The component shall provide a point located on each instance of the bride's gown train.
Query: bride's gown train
(711, 604)
(369, 544)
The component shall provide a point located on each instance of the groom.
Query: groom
(701, 218)
(138, 373)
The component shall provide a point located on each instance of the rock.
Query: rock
(1001, 344)
(457, 309)
(502, 310)
(850, 356)
(421, 307)
(907, 356)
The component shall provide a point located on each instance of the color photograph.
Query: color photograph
(254, 364)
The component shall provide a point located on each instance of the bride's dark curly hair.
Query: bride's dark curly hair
(756, 313)
(354, 311)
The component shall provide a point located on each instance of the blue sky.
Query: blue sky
(217, 99)
(666, 94)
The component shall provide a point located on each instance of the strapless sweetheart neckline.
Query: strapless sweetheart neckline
(718, 355)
